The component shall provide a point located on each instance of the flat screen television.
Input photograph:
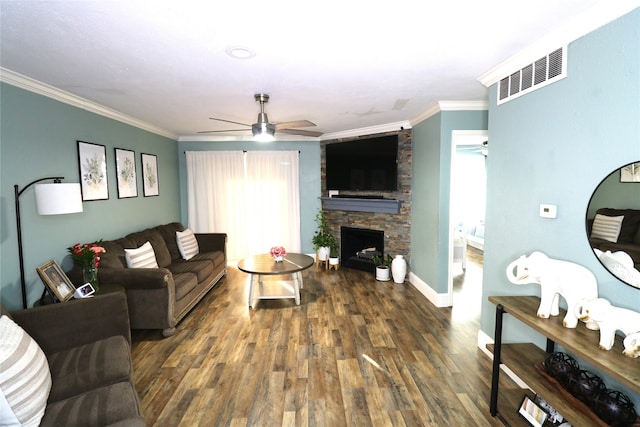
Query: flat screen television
(369, 164)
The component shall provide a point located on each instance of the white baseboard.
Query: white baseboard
(439, 300)
(483, 341)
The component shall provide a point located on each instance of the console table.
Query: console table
(524, 359)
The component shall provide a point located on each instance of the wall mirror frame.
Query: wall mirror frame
(613, 223)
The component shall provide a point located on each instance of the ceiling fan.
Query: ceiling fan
(263, 130)
(479, 148)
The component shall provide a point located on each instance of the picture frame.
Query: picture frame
(630, 173)
(532, 412)
(126, 173)
(56, 281)
(150, 175)
(92, 163)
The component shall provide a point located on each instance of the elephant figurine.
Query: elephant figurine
(556, 278)
(611, 319)
(632, 345)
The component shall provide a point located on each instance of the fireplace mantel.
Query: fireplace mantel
(391, 206)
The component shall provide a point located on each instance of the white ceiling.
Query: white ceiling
(345, 65)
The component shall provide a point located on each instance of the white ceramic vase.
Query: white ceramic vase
(398, 269)
(382, 273)
(323, 253)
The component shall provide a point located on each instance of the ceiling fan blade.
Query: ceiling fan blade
(299, 132)
(227, 130)
(229, 121)
(294, 124)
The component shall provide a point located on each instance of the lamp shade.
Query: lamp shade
(58, 198)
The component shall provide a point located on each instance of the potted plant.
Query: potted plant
(382, 267)
(334, 259)
(323, 240)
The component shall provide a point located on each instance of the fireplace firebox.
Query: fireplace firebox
(358, 246)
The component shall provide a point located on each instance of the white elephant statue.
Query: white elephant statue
(611, 319)
(556, 278)
(632, 345)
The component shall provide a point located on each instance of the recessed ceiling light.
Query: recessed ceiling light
(240, 52)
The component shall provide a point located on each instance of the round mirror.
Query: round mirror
(613, 223)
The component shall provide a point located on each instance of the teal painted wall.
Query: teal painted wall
(432, 152)
(38, 139)
(309, 168)
(555, 145)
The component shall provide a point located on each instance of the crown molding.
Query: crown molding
(450, 106)
(602, 13)
(370, 130)
(23, 82)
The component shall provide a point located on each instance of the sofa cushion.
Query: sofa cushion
(185, 283)
(606, 227)
(187, 244)
(80, 369)
(114, 255)
(142, 257)
(159, 246)
(25, 379)
(168, 233)
(99, 407)
(202, 269)
(216, 257)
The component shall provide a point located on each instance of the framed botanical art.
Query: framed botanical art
(92, 161)
(150, 175)
(630, 173)
(56, 281)
(126, 173)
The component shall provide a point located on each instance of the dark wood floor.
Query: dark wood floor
(355, 352)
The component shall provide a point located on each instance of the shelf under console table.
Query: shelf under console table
(525, 360)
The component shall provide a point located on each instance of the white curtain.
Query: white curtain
(254, 197)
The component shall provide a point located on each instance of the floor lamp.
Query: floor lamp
(51, 199)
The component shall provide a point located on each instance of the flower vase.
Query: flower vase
(398, 269)
(90, 275)
(278, 258)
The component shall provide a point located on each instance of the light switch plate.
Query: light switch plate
(548, 211)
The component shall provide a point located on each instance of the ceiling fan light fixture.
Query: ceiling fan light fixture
(240, 52)
(263, 132)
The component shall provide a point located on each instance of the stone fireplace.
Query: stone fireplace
(358, 246)
(395, 226)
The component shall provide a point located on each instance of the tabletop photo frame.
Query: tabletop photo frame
(126, 173)
(150, 175)
(56, 281)
(92, 162)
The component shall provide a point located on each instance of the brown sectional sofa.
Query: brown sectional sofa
(87, 344)
(159, 298)
(629, 238)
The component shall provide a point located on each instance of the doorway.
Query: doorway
(466, 218)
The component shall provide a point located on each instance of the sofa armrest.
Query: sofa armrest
(77, 322)
(136, 278)
(211, 242)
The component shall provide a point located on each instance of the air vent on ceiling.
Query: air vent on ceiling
(546, 70)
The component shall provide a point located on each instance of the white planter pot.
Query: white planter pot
(334, 260)
(382, 273)
(398, 269)
(323, 253)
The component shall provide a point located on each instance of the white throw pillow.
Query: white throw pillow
(143, 257)
(607, 227)
(25, 379)
(187, 244)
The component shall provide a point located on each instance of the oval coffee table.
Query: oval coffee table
(264, 265)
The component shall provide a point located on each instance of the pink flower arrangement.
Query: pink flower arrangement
(277, 251)
(87, 254)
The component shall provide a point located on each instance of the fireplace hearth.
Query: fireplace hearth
(358, 246)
